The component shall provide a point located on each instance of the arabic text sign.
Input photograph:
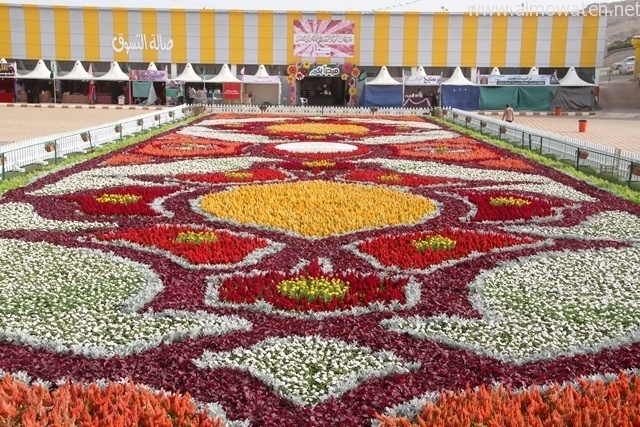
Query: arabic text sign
(323, 38)
(140, 42)
(261, 79)
(231, 90)
(423, 80)
(520, 80)
(148, 75)
(6, 70)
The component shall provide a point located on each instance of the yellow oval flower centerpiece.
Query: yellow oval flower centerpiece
(318, 208)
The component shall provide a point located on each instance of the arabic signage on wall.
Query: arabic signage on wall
(140, 42)
(261, 79)
(423, 80)
(518, 80)
(327, 70)
(323, 38)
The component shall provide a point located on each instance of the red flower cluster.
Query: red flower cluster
(400, 251)
(91, 204)
(176, 146)
(535, 208)
(364, 289)
(227, 249)
(395, 178)
(248, 175)
(454, 149)
(299, 165)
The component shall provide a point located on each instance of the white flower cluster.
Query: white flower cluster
(86, 301)
(308, 369)
(224, 135)
(115, 176)
(609, 225)
(561, 303)
(391, 122)
(401, 138)
(530, 182)
(22, 216)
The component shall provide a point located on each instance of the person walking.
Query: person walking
(507, 115)
(191, 95)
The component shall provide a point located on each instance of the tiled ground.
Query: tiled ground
(621, 130)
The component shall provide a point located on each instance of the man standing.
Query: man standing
(507, 115)
(191, 95)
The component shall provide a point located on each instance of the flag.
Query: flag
(362, 76)
(204, 72)
(53, 69)
(555, 73)
(242, 71)
(90, 70)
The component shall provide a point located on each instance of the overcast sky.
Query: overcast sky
(324, 5)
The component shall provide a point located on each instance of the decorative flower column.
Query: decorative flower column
(635, 42)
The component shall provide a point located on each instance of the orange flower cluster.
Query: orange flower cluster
(592, 404)
(506, 164)
(126, 159)
(116, 405)
(185, 146)
(454, 149)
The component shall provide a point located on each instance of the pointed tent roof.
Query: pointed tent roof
(77, 73)
(458, 79)
(152, 66)
(114, 74)
(188, 75)
(262, 71)
(572, 79)
(383, 79)
(495, 71)
(3, 61)
(419, 72)
(40, 72)
(533, 71)
(224, 76)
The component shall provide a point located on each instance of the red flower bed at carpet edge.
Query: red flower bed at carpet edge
(444, 290)
(121, 201)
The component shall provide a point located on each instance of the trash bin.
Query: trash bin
(121, 100)
(582, 125)
(558, 111)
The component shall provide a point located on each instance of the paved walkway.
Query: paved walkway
(619, 130)
(19, 122)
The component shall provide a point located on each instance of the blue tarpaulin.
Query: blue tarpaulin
(462, 97)
(382, 96)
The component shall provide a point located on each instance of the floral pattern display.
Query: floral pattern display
(311, 286)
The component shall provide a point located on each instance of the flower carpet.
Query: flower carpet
(316, 271)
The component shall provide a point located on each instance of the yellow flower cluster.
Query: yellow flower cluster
(115, 199)
(196, 237)
(319, 164)
(233, 125)
(318, 208)
(316, 137)
(238, 175)
(311, 288)
(402, 127)
(442, 149)
(508, 201)
(390, 177)
(435, 243)
(318, 128)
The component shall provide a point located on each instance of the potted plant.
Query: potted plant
(49, 147)
(503, 129)
(635, 169)
(157, 117)
(373, 110)
(140, 122)
(483, 124)
(467, 119)
(583, 154)
(85, 136)
(263, 107)
(455, 115)
(171, 114)
(437, 112)
(118, 128)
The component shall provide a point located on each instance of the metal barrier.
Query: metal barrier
(16, 156)
(606, 162)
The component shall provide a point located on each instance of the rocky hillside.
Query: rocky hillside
(621, 26)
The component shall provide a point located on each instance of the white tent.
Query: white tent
(41, 72)
(114, 74)
(419, 72)
(383, 79)
(224, 76)
(152, 66)
(495, 71)
(572, 79)
(533, 71)
(188, 75)
(77, 73)
(262, 87)
(458, 79)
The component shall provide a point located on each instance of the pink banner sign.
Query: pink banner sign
(323, 38)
